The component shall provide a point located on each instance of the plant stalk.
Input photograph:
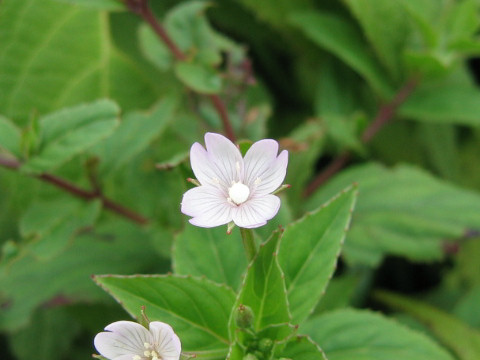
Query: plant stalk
(248, 243)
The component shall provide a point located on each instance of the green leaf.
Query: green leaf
(98, 4)
(200, 78)
(302, 348)
(467, 307)
(53, 225)
(136, 132)
(362, 335)
(27, 281)
(43, 336)
(154, 49)
(338, 36)
(10, 137)
(211, 253)
(402, 211)
(444, 103)
(263, 288)
(197, 309)
(458, 336)
(309, 250)
(37, 77)
(387, 41)
(70, 132)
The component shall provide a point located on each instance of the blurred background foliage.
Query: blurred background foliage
(89, 94)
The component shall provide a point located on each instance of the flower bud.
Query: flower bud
(250, 357)
(265, 345)
(244, 317)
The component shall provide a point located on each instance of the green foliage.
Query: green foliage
(309, 250)
(358, 335)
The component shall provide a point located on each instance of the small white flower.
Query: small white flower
(127, 340)
(233, 188)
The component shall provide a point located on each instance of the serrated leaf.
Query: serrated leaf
(309, 250)
(211, 253)
(361, 335)
(98, 4)
(136, 132)
(444, 103)
(458, 336)
(263, 289)
(200, 78)
(36, 76)
(26, 281)
(302, 348)
(70, 132)
(338, 36)
(10, 136)
(198, 309)
(402, 211)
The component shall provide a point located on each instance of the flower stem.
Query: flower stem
(248, 243)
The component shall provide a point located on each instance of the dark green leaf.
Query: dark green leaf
(302, 348)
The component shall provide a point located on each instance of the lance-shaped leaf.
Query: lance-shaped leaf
(263, 289)
(197, 308)
(71, 131)
(361, 335)
(221, 259)
(309, 250)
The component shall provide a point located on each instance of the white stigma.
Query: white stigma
(238, 193)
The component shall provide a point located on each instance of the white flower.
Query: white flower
(233, 188)
(127, 340)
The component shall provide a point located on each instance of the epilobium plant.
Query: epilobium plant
(128, 340)
(232, 188)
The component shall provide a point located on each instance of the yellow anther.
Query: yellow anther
(146, 353)
(147, 345)
(137, 357)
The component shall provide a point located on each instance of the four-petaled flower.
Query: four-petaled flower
(127, 340)
(233, 188)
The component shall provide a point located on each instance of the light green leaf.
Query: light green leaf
(71, 131)
(10, 136)
(309, 250)
(43, 336)
(263, 289)
(424, 13)
(98, 4)
(338, 36)
(302, 348)
(387, 41)
(211, 253)
(458, 336)
(402, 211)
(27, 281)
(42, 69)
(467, 307)
(200, 78)
(198, 309)
(136, 132)
(154, 49)
(363, 335)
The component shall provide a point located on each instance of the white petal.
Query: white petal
(123, 338)
(256, 211)
(225, 157)
(207, 205)
(166, 342)
(264, 171)
(202, 166)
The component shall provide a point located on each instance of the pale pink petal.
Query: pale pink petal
(123, 338)
(225, 156)
(166, 342)
(256, 211)
(207, 205)
(265, 171)
(203, 168)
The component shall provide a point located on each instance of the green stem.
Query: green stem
(248, 243)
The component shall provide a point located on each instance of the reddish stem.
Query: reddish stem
(80, 193)
(141, 8)
(384, 115)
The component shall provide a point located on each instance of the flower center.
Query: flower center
(238, 193)
(149, 353)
